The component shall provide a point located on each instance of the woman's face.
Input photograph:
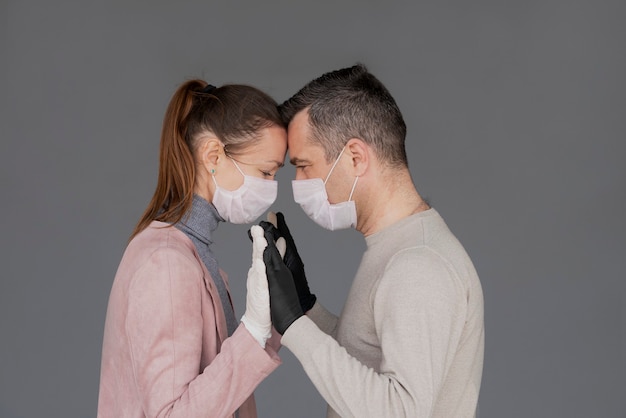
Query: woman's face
(263, 159)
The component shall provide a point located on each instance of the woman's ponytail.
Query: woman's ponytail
(175, 185)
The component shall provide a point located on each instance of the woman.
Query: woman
(172, 346)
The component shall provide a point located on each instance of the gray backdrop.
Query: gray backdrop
(516, 114)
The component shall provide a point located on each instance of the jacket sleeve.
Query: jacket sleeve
(418, 312)
(164, 326)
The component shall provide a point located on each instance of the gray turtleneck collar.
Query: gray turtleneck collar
(198, 224)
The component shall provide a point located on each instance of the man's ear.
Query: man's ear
(211, 153)
(359, 153)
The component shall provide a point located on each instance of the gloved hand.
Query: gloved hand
(257, 318)
(292, 259)
(284, 302)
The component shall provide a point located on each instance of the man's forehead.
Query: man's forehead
(302, 148)
(300, 119)
(305, 151)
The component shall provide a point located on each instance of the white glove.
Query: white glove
(257, 316)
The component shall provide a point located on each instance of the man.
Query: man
(410, 339)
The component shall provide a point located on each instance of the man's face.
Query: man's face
(307, 157)
(310, 162)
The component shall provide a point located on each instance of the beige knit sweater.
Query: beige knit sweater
(410, 339)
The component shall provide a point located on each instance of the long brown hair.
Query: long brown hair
(233, 113)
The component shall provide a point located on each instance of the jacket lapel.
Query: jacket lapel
(218, 308)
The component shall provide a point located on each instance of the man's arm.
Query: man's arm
(419, 309)
(324, 319)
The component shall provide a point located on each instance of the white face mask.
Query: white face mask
(311, 195)
(248, 202)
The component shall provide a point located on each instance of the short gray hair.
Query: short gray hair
(351, 103)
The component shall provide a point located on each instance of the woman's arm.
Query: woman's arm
(165, 325)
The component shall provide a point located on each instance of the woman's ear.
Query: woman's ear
(359, 153)
(211, 153)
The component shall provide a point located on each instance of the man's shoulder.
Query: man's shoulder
(416, 259)
(435, 255)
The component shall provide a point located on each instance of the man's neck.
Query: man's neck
(390, 199)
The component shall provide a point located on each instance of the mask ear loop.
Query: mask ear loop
(353, 187)
(333, 167)
(237, 166)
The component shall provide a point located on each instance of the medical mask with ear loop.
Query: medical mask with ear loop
(311, 195)
(248, 202)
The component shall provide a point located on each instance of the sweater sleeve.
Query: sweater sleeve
(418, 313)
(324, 319)
(164, 327)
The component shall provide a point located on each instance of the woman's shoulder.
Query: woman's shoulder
(160, 238)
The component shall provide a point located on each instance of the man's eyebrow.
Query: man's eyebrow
(297, 161)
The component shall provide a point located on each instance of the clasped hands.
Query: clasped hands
(278, 291)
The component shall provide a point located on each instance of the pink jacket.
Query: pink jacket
(165, 351)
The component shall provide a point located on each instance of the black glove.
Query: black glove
(284, 302)
(293, 261)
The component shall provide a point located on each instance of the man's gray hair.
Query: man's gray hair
(351, 103)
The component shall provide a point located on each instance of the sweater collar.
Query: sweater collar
(399, 228)
(201, 220)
